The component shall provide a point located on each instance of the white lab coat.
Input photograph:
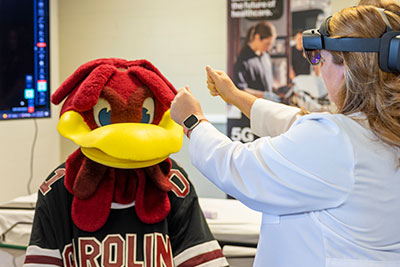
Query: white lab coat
(329, 191)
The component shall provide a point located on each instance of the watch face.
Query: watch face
(190, 121)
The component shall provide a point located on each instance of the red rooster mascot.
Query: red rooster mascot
(119, 200)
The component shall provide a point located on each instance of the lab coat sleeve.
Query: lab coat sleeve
(269, 118)
(309, 167)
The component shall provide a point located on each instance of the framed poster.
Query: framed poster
(265, 58)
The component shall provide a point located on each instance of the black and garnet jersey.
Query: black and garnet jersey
(183, 238)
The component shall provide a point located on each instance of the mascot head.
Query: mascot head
(117, 111)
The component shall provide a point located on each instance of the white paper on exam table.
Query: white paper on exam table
(16, 217)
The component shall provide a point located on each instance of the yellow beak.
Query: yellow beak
(124, 145)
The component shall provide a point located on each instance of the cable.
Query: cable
(31, 161)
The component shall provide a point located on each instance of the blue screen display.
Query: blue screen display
(24, 59)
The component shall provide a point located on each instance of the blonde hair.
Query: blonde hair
(366, 87)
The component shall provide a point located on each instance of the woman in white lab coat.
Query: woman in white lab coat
(328, 185)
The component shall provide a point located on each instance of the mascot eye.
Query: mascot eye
(148, 110)
(102, 112)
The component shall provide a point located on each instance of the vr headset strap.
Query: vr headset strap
(352, 44)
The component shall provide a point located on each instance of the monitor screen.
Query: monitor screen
(24, 59)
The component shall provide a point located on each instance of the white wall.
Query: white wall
(337, 5)
(179, 37)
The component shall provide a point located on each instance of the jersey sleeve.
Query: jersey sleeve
(191, 239)
(44, 244)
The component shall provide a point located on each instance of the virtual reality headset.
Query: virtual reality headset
(387, 46)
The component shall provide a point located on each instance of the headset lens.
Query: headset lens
(313, 56)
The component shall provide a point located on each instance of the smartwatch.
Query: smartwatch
(191, 122)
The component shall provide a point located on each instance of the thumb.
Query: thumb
(211, 72)
(188, 88)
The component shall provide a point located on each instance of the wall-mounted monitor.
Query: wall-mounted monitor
(24, 59)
